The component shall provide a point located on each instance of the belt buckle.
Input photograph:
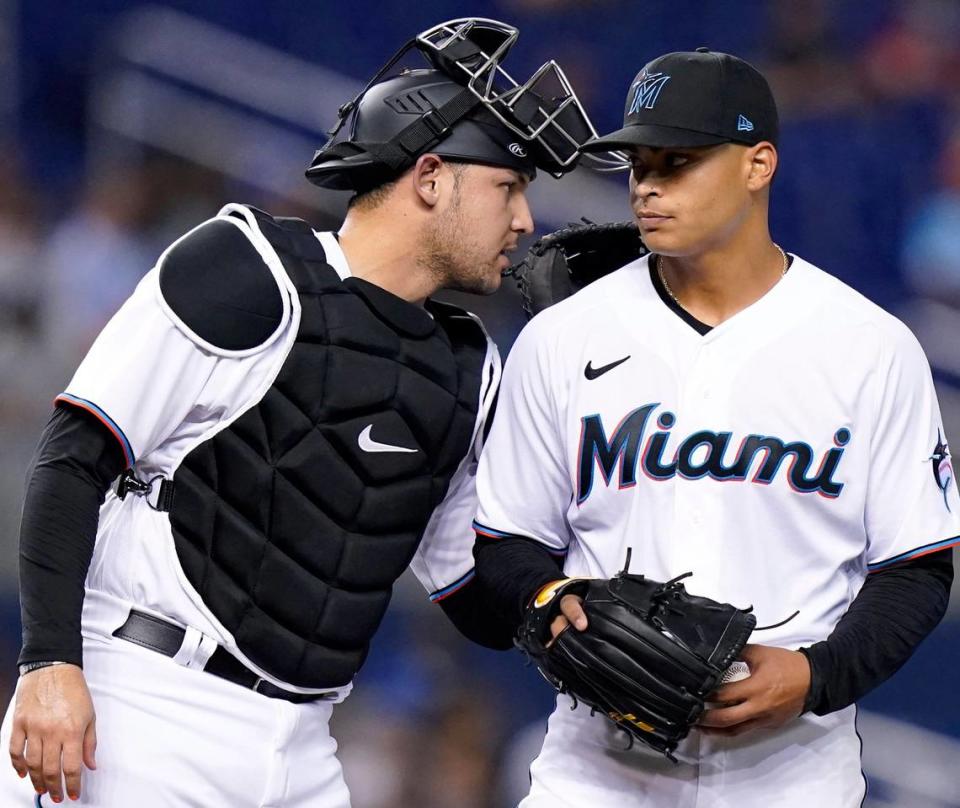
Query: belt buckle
(256, 685)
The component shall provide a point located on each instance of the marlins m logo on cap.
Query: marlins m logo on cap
(710, 98)
(648, 87)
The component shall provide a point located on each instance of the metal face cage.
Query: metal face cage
(544, 111)
(545, 108)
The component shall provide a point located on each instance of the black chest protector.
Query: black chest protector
(294, 522)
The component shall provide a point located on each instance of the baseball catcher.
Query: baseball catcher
(293, 420)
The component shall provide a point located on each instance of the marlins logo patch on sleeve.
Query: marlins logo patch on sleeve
(942, 469)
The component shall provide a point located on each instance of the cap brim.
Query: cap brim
(657, 137)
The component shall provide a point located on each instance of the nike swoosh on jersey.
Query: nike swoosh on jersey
(592, 373)
(368, 444)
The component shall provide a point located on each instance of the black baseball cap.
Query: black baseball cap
(694, 98)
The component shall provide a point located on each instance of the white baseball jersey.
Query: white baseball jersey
(161, 390)
(780, 457)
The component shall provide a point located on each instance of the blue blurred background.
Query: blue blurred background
(124, 124)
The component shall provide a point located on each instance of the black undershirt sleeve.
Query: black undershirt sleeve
(471, 610)
(894, 611)
(512, 570)
(509, 571)
(75, 462)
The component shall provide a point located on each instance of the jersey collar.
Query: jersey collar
(334, 254)
(699, 326)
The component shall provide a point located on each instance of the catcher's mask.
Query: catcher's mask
(465, 107)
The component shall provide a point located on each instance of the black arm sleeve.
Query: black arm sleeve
(511, 571)
(74, 464)
(893, 612)
(472, 610)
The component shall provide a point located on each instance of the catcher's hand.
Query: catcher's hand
(650, 654)
(563, 262)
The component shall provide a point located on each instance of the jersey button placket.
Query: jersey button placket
(694, 537)
(685, 536)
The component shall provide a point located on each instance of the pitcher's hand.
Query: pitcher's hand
(771, 696)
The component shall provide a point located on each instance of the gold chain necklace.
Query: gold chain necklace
(673, 297)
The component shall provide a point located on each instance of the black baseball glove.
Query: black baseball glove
(563, 262)
(649, 656)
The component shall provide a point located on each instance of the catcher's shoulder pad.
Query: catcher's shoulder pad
(218, 289)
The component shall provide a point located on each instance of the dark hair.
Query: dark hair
(369, 200)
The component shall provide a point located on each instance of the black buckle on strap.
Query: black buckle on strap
(433, 126)
(129, 483)
(430, 129)
(436, 122)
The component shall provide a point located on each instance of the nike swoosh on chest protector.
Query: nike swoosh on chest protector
(368, 444)
(592, 373)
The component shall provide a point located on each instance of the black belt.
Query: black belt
(166, 638)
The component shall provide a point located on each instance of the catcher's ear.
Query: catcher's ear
(762, 165)
(426, 177)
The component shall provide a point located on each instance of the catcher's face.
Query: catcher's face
(688, 201)
(481, 223)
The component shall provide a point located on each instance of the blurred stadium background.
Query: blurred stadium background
(125, 124)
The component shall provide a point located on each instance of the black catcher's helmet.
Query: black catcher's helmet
(465, 106)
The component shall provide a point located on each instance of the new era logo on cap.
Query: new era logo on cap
(744, 124)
